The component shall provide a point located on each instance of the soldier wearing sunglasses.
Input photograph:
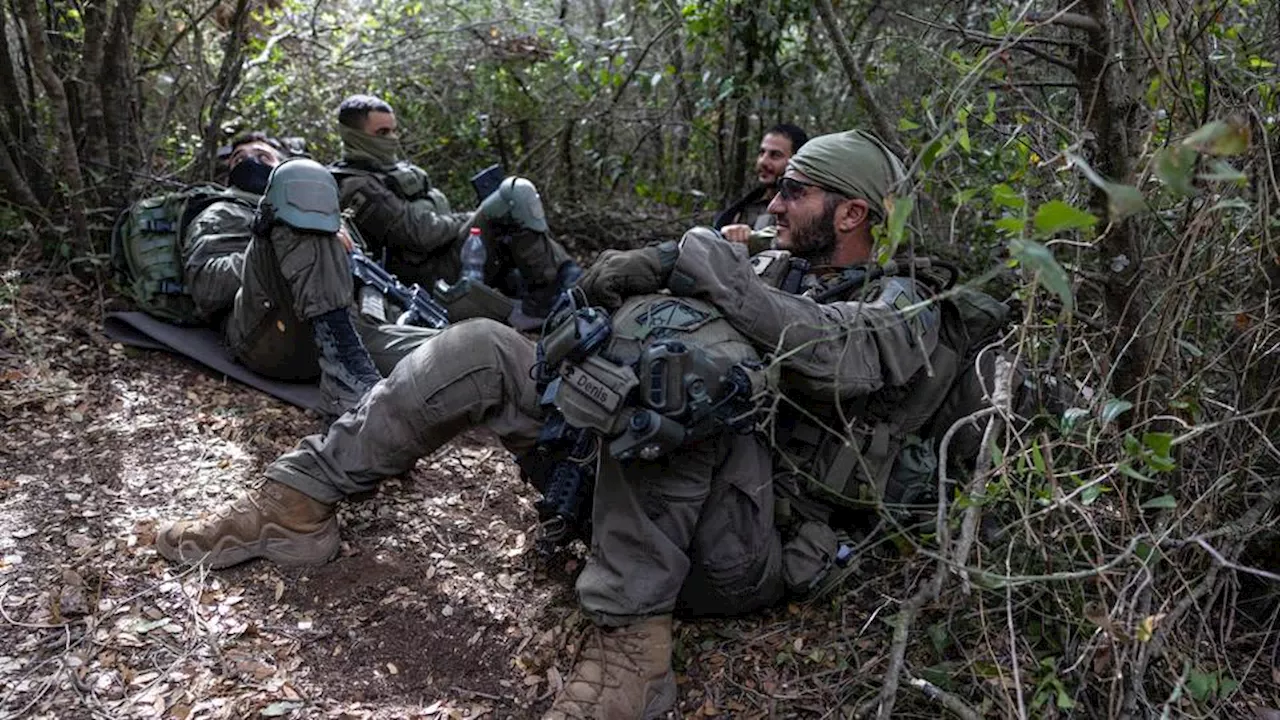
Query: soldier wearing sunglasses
(734, 524)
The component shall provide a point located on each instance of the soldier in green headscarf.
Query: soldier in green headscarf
(399, 212)
(692, 525)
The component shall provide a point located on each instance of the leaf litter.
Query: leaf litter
(437, 607)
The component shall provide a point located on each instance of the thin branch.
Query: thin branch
(858, 78)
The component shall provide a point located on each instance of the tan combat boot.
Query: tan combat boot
(271, 520)
(622, 674)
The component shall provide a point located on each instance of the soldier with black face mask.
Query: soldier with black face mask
(280, 286)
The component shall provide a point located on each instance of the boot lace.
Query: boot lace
(612, 652)
(249, 498)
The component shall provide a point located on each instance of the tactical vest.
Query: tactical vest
(408, 181)
(887, 453)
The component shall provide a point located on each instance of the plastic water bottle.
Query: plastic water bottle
(473, 257)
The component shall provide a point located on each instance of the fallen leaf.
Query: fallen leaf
(280, 709)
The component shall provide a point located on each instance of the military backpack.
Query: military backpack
(146, 249)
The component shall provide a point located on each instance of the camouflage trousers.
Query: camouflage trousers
(694, 530)
(286, 281)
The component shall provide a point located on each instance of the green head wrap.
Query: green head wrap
(855, 163)
(359, 146)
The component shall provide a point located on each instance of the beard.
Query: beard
(815, 238)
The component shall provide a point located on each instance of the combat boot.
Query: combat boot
(622, 674)
(270, 520)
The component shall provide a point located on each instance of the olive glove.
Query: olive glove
(619, 274)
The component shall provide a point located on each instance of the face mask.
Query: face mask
(250, 175)
(377, 150)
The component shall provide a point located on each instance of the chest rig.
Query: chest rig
(864, 452)
(404, 179)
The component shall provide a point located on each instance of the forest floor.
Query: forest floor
(437, 607)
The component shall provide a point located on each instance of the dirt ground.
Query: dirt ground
(438, 606)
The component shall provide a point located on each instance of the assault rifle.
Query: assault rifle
(419, 307)
(562, 466)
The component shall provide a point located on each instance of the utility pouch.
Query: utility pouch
(648, 436)
(592, 392)
(807, 557)
(467, 299)
(407, 181)
(576, 335)
(851, 473)
(677, 375)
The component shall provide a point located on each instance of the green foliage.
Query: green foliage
(1039, 260)
(1056, 216)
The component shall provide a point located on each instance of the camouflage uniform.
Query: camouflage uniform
(695, 529)
(397, 212)
(266, 291)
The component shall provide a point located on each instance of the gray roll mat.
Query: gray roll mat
(205, 346)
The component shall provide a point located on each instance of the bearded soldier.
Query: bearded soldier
(751, 211)
(694, 529)
(401, 214)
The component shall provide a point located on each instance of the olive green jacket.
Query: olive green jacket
(829, 352)
(213, 251)
(420, 236)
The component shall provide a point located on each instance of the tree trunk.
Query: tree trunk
(566, 162)
(68, 160)
(1106, 108)
(15, 184)
(97, 20)
(741, 132)
(228, 78)
(120, 111)
(21, 135)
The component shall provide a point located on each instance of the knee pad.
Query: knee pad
(302, 194)
(515, 203)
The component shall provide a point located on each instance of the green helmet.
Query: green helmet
(645, 320)
(302, 194)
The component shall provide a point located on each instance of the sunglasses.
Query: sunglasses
(791, 189)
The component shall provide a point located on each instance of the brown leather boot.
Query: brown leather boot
(271, 520)
(622, 674)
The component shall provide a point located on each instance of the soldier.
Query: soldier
(398, 212)
(750, 212)
(694, 529)
(284, 296)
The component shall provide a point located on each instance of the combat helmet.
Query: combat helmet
(302, 194)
